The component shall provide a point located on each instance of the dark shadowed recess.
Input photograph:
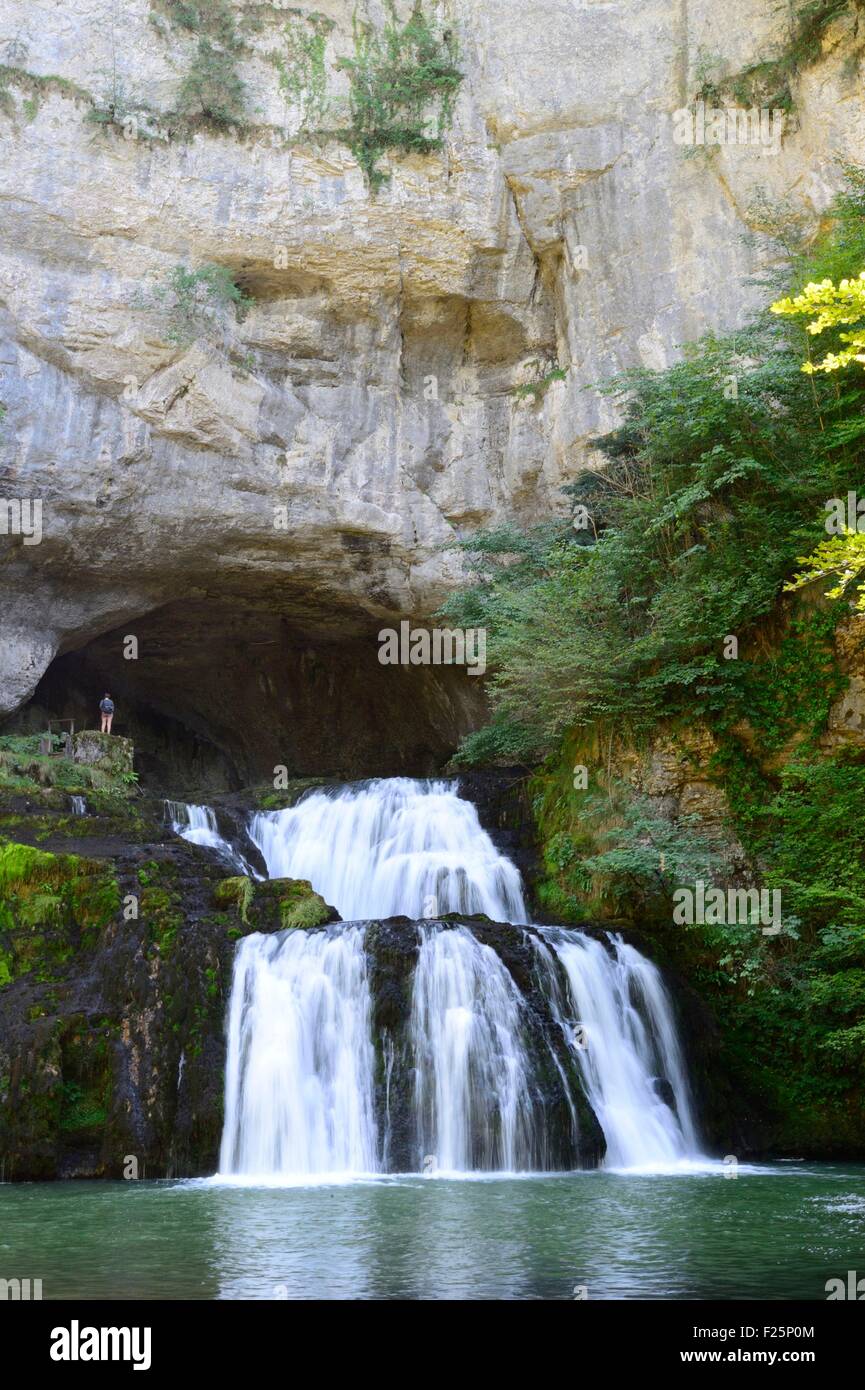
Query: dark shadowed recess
(220, 695)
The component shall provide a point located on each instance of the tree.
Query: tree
(831, 306)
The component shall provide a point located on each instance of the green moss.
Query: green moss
(235, 892)
(50, 906)
(161, 904)
(273, 904)
(297, 903)
(25, 769)
(269, 799)
(309, 911)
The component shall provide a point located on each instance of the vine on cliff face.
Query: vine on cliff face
(302, 70)
(768, 83)
(403, 79)
(212, 90)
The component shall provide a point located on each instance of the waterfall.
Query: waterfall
(79, 806)
(392, 847)
(478, 1071)
(618, 1021)
(299, 1074)
(197, 824)
(473, 1098)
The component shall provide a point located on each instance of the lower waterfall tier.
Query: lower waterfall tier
(449, 1047)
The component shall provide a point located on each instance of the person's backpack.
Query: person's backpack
(107, 706)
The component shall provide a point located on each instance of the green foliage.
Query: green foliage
(212, 89)
(24, 769)
(829, 306)
(606, 638)
(198, 303)
(715, 484)
(536, 390)
(789, 689)
(647, 856)
(214, 18)
(842, 556)
(807, 1003)
(403, 81)
(768, 83)
(81, 1108)
(302, 70)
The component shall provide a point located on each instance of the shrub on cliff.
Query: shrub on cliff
(403, 79)
(715, 485)
(212, 89)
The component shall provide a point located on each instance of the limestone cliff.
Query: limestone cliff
(367, 394)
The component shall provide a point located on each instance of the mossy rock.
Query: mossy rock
(235, 892)
(50, 906)
(273, 905)
(101, 768)
(267, 798)
(109, 752)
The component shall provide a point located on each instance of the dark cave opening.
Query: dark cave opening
(217, 697)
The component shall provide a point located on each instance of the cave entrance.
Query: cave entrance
(216, 697)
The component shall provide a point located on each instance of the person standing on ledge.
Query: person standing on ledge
(106, 709)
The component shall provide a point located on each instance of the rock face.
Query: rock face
(114, 979)
(260, 507)
(115, 974)
(846, 724)
(107, 751)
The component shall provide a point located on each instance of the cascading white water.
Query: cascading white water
(301, 1065)
(392, 847)
(473, 1097)
(618, 1021)
(299, 1074)
(79, 806)
(197, 824)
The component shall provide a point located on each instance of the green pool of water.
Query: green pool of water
(776, 1233)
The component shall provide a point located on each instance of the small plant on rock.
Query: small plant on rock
(199, 303)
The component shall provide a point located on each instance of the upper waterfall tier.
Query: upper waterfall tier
(392, 847)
